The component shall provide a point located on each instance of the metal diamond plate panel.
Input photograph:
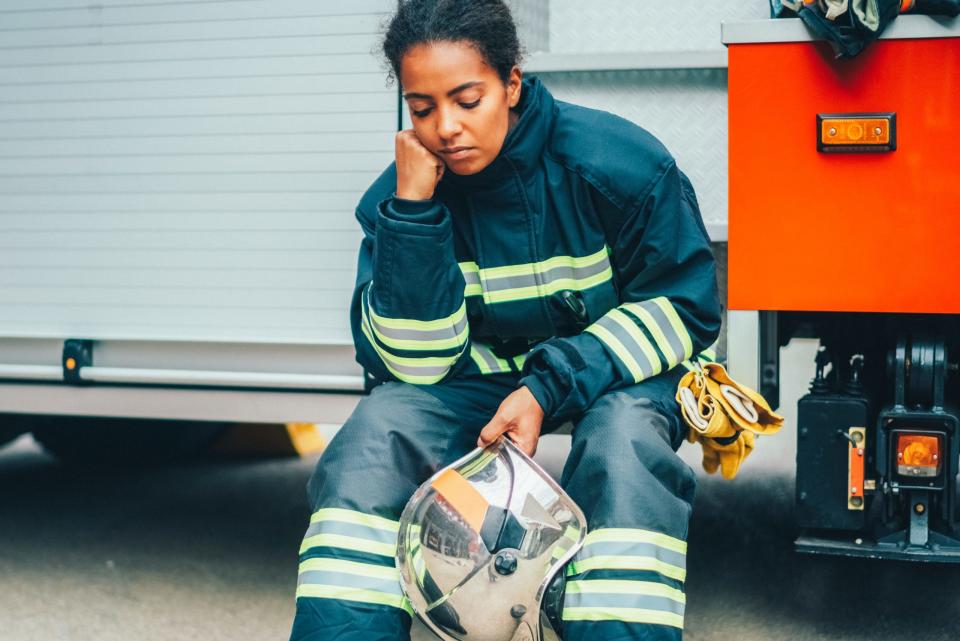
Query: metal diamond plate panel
(632, 25)
(685, 109)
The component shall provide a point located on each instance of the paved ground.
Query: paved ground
(208, 551)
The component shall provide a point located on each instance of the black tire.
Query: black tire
(124, 442)
(11, 426)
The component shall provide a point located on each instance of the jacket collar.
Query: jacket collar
(525, 142)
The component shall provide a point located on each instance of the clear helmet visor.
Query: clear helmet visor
(479, 543)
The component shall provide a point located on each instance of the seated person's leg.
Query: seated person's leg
(348, 587)
(627, 580)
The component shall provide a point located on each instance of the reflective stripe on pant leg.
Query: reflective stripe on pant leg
(628, 575)
(348, 555)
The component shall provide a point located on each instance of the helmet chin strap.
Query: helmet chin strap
(552, 605)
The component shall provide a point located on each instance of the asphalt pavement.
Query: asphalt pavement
(207, 551)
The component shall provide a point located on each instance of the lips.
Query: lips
(456, 153)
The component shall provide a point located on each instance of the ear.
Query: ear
(514, 85)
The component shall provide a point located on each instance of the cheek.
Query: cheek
(494, 123)
(427, 135)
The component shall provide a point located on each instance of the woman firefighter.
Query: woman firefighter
(525, 262)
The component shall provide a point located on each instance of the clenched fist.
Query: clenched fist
(418, 169)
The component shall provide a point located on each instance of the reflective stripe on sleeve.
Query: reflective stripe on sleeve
(618, 332)
(423, 370)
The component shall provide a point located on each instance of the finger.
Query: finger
(527, 443)
(492, 430)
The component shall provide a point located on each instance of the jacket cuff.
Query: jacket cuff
(541, 392)
(423, 212)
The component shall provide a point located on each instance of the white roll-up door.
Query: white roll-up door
(187, 170)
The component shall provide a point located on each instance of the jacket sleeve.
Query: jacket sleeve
(669, 306)
(408, 314)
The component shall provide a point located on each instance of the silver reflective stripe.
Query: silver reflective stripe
(486, 360)
(471, 274)
(448, 333)
(621, 335)
(601, 600)
(630, 548)
(534, 280)
(422, 371)
(351, 530)
(325, 578)
(659, 326)
(546, 278)
(342, 579)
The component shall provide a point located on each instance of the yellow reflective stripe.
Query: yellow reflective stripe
(478, 360)
(631, 328)
(471, 269)
(354, 594)
(474, 466)
(519, 360)
(630, 615)
(526, 269)
(617, 347)
(348, 543)
(483, 356)
(392, 362)
(554, 286)
(632, 535)
(405, 323)
(415, 344)
(350, 567)
(677, 324)
(357, 518)
(613, 586)
(626, 563)
(651, 324)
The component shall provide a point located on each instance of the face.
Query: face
(459, 106)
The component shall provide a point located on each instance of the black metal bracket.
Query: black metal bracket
(77, 354)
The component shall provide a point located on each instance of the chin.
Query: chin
(467, 168)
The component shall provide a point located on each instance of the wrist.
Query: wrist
(406, 192)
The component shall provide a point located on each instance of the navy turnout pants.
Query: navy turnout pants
(626, 583)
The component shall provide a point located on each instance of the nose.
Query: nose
(448, 124)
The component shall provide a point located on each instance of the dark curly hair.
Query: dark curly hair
(487, 25)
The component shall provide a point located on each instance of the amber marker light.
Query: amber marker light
(856, 132)
(918, 455)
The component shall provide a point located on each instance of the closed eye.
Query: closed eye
(470, 105)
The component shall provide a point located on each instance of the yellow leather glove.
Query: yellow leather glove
(725, 455)
(724, 417)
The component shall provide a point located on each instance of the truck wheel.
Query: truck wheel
(116, 441)
(11, 426)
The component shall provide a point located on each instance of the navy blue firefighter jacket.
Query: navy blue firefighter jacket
(577, 260)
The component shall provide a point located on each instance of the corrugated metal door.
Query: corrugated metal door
(186, 170)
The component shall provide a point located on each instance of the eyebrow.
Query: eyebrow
(452, 92)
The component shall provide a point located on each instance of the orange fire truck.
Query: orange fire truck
(844, 224)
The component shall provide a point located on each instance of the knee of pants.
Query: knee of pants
(389, 445)
(623, 447)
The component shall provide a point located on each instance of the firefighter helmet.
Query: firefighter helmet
(480, 542)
